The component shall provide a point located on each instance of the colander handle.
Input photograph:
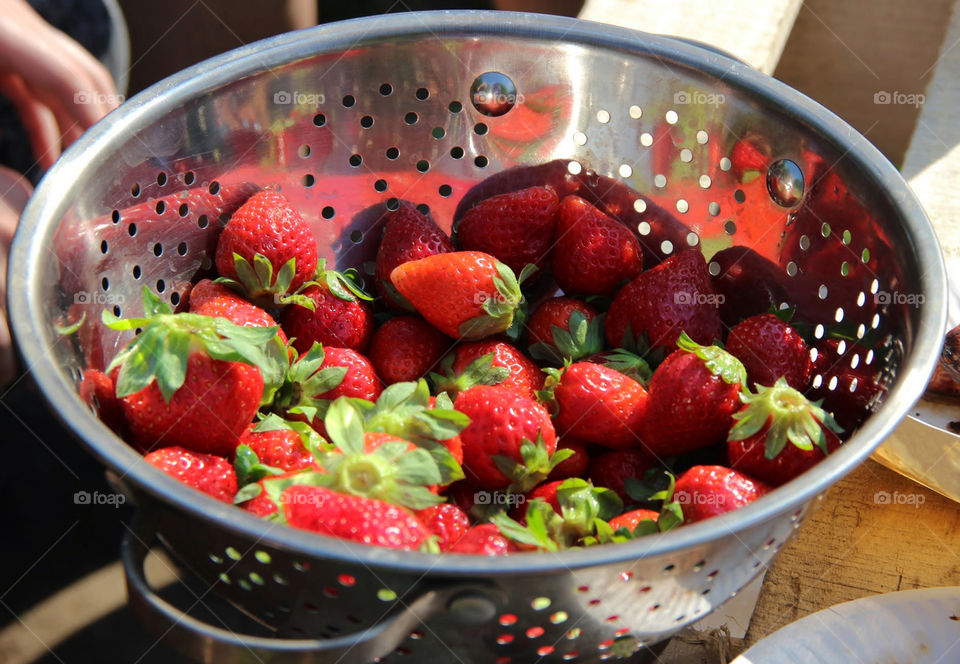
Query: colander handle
(210, 644)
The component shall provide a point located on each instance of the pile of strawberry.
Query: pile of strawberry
(468, 408)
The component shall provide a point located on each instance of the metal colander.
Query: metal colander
(350, 119)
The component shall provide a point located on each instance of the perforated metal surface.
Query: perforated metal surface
(348, 120)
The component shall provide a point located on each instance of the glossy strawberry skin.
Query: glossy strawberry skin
(218, 301)
(599, 405)
(407, 348)
(408, 235)
(707, 491)
(555, 312)
(500, 420)
(361, 379)
(268, 225)
(483, 540)
(334, 322)
(525, 377)
(693, 407)
(849, 409)
(594, 254)
(632, 519)
(365, 520)
(611, 470)
(748, 457)
(748, 283)
(547, 492)
(280, 448)
(448, 289)
(447, 521)
(770, 348)
(574, 465)
(98, 390)
(517, 227)
(205, 472)
(674, 297)
(207, 414)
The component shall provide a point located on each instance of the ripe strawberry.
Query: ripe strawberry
(612, 469)
(770, 349)
(207, 289)
(339, 316)
(629, 364)
(772, 418)
(453, 443)
(488, 362)
(707, 491)
(849, 384)
(498, 444)
(564, 328)
(573, 466)
(693, 396)
(205, 472)
(517, 228)
(365, 520)
(406, 348)
(594, 254)
(447, 521)
(281, 448)
(360, 380)
(466, 294)
(98, 390)
(547, 492)
(630, 520)
(746, 283)
(267, 225)
(408, 235)
(597, 404)
(218, 301)
(484, 539)
(674, 297)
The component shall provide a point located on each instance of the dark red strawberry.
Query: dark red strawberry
(770, 348)
(408, 235)
(466, 294)
(488, 362)
(507, 432)
(365, 520)
(547, 492)
(267, 225)
(98, 390)
(630, 520)
(517, 228)
(407, 348)
(746, 284)
(779, 434)
(281, 448)
(693, 396)
(340, 316)
(674, 297)
(612, 469)
(483, 540)
(447, 521)
(846, 377)
(597, 404)
(218, 301)
(707, 491)
(573, 466)
(564, 328)
(205, 472)
(594, 254)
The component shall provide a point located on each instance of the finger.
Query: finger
(37, 120)
(15, 191)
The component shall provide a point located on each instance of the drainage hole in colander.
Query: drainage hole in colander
(705, 591)
(543, 651)
(847, 237)
(573, 654)
(355, 160)
(823, 291)
(308, 180)
(699, 565)
(115, 216)
(574, 634)
(157, 249)
(369, 268)
(161, 285)
(456, 152)
(659, 180)
(438, 132)
(865, 255)
(713, 208)
(423, 165)
(422, 94)
(622, 632)
(574, 167)
(386, 595)
(331, 592)
(104, 247)
(182, 249)
(366, 121)
(540, 603)
(669, 568)
(225, 578)
(825, 229)
(232, 553)
(804, 242)
(692, 239)
(791, 269)
(682, 206)
(455, 107)
(725, 164)
(583, 589)
(626, 576)
(215, 559)
(161, 178)
(757, 564)
(666, 247)
(713, 574)
(594, 602)
(183, 210)
(534, 632)
(705, 181)
(686, 155)
(319, 120)
(729, 227)
(203, 221)
(132, 230)
(161, 207)
(214, 188)
(280, 579)
(603, 116)
(393, 153)
(508, 619)
(380, 185)
(244, 584)
(480, 129)
(818, 331)
(625, 170)
(713, 267)
(393, 204)
(136, 271)
(646, 139)
(301, 566)
(654, 607)
(445, 190)
(174, 298)
(189, 178)
(504, 639)
(386, 89)
(559, 617)
(838, 315)
(612, 619)
(579, 138)
(256, 578)
(680, 618)
(640, 205)
(480, 161)
(134, 190)
(739, 196)
(844, 268)
(349, 101)
(423, 208)
(605, 645)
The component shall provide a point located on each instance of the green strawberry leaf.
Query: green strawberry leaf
(248, 492)
(153, 305)
(67, 330)
(718, 361)
(344, 425)
(479, 372)
(630, 365)
(248, 467)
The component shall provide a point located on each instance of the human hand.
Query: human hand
(14, 193)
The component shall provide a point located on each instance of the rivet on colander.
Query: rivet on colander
(472, 608)
(493, 93)
(785, 183)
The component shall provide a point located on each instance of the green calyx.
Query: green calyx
(670, 516)
(479, 372)
(345, 285)
(249, 469)
(581, 338)
(499, 308)
(718, 361)
(629, 364)
(787, 415)
(303, 381)
(311, 440)
(545, 395)
(258, 283)
(162, 349)
(536, 464)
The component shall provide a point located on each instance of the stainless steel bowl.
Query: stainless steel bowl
(347, 119)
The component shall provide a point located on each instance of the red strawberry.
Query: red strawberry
(849, 382)
(339, 318)
(779, 434)
(598, 404)
(769, 349)
(205, 472)
(98, 390)
(693, 396)
(408, 235)
(611, 470)
(361, 379)
(207, 289)
(630, 520)
(674, 297)
(483, 540)
(488, 362)
(447, 521)
(746, 284)
(466, 294)
(573, 466)
(218, 301)
(267, 225)
(564, 328)
(547, 492)
(406, 348)
(594, 254)
(510, 426)
(279, 448)
(366, 520)
(517, 228)
(707, 491)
